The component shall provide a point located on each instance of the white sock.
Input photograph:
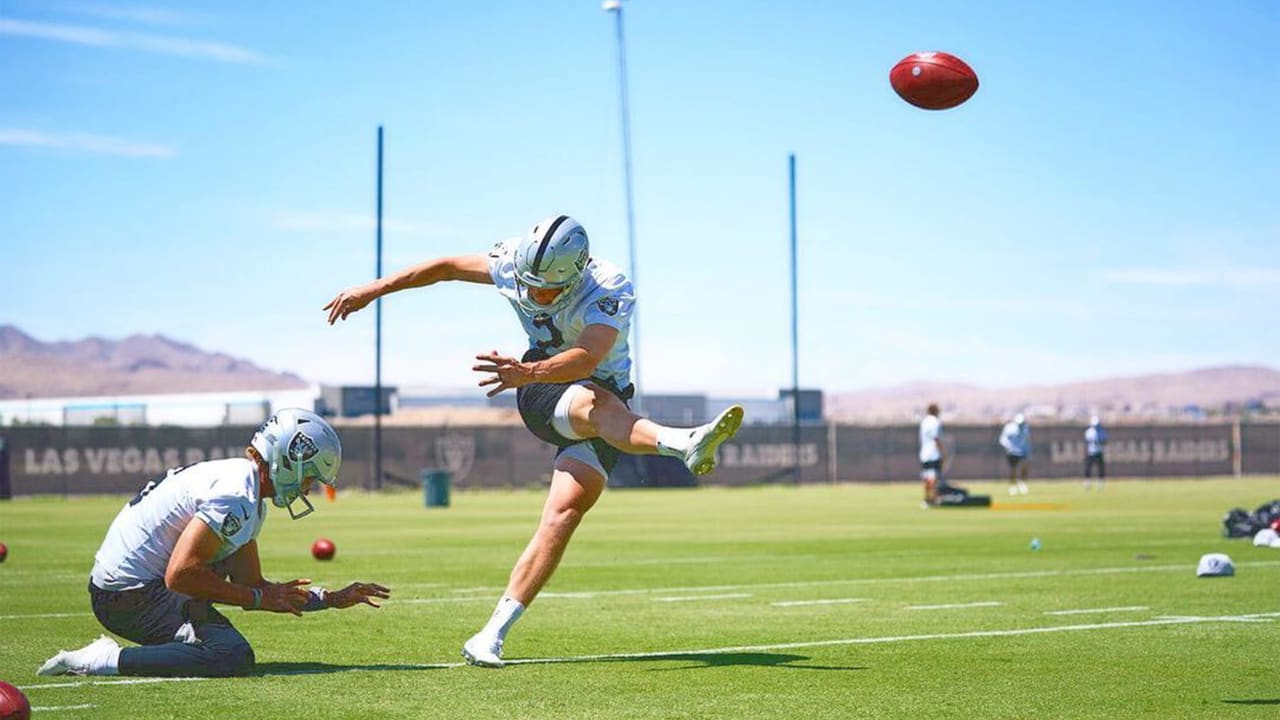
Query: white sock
(674, 442)
(504, 616)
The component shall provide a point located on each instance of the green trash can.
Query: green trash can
(435, 487)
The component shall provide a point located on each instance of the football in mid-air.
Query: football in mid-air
(933, 80)
(13, 704)
(323, 549)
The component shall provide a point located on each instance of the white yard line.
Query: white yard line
(1187, 568)
(1086, 611)
(54, 708)
(691, 560)
(833, 601)
(956, 606)
(421, 586)
(902, 638)
(1188, 620)
(592, 594)
(433, 601)
(687, 598)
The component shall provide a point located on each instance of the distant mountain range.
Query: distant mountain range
(154, 364)
(1208, 390)
(136, 365)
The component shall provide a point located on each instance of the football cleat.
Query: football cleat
(700, 458)
(483, 651)
(88, 660)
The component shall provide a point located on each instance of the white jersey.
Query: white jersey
(221, 493)
(1016, 440)
(930, 431)
(603, 297)
(1095, 439)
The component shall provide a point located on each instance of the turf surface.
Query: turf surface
(835, 601)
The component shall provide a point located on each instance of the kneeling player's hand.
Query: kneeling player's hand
(357, 593)
(289, 597)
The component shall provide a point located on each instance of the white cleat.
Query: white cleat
(88, 660)
(700, 458)
(483, 652)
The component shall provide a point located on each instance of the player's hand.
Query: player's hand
(507, 372)
(357, 593)
(349, 301)
(288, 597)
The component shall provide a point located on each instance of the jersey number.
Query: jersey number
(543, 320)
(146, 489)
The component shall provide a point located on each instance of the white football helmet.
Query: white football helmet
(553, 254)
(298, 445)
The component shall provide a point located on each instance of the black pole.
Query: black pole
(795, 328)
(377, 373)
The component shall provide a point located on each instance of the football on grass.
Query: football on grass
(933, 80)
(323, 549)
(13, 704)
(4, 552)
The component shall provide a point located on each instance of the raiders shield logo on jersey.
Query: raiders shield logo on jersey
(608, 305)
(231, 525)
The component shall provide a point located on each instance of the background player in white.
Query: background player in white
(1095, 444)
(167, 554)
(931, 454)
(1015, 438)
(571, 385)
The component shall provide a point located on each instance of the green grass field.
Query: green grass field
(836, 601)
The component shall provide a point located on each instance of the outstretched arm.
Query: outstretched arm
(467, 268)
(189, 573)
(576, 363)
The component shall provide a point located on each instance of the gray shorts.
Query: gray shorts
(153, 614)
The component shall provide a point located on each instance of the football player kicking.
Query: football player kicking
(170, 550)
(572, 386)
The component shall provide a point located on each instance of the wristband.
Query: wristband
(257, 599)
(316, 599)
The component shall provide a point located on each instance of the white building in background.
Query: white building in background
(249, 407)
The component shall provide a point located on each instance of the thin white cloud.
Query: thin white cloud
(134, 13)
(81, 142)
(1177, 277)
(160, 44)
(334, 221)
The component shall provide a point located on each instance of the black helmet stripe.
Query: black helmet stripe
(546, 240)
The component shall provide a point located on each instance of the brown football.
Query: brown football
(933, 80)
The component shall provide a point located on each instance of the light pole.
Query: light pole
(615, 7)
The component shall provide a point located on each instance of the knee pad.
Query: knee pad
(560, 418)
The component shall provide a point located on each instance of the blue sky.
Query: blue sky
(1106, 204)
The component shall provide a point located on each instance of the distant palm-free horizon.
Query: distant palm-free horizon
(1102, 207)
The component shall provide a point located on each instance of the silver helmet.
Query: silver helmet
(553, 254)
(298, 445)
